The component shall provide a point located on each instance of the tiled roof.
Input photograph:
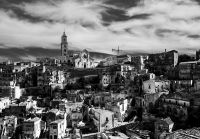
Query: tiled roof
(168, 121)
(32, 120)
(54, 110)
(57, 121)
(193, 133)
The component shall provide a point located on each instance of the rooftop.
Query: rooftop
(189, 62)
(102, 111)
(193, 133)
(168, 121)
(54, 111)
(32, 119)
(57, 121)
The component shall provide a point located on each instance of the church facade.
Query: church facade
(83, 60)
(65, 57)
(80, 60)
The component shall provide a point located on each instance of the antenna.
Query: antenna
(117, 50)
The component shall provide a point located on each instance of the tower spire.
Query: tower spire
(64, 45)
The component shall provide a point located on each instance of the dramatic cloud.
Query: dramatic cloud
(99, 25)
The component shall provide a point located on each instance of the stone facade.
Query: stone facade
(64, 45)
(83, 60)
(189, 70)
(32, 128)
(57, 129)
(161, 62)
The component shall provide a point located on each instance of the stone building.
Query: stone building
(4, 102)
(32, 128)
(74, 117)
(47, 75)
(109, 61)
(106, 80)
(175, 105)
(57, 129)
(139, 61)
(163, 125)
(119, 107)
(189, 70)
(64, 45)
(103, 119)
(84, 60)
(18, 110)
(160, 63)
(8, 125)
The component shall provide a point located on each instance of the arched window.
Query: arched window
(149, 86)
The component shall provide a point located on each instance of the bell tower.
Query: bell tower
(64, 45)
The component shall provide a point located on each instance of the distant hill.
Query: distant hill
(31, 53)
(99, 55)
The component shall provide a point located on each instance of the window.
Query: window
(54, 127)
(149, 86)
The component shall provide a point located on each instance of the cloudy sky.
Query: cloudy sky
(99, 25)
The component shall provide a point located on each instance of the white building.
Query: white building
(106, 80)
(83, 60)
(4, 102)
(153, 86)
(140, 61)
(126, 69)
(57, 129)
(32, 128)
(103, 119)
(149, 86)
(119, 107)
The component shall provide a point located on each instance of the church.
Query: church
(83, 60)
(80, 60)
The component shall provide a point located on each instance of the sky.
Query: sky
(148, 26)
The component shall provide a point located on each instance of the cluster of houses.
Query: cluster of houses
(72, 96)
